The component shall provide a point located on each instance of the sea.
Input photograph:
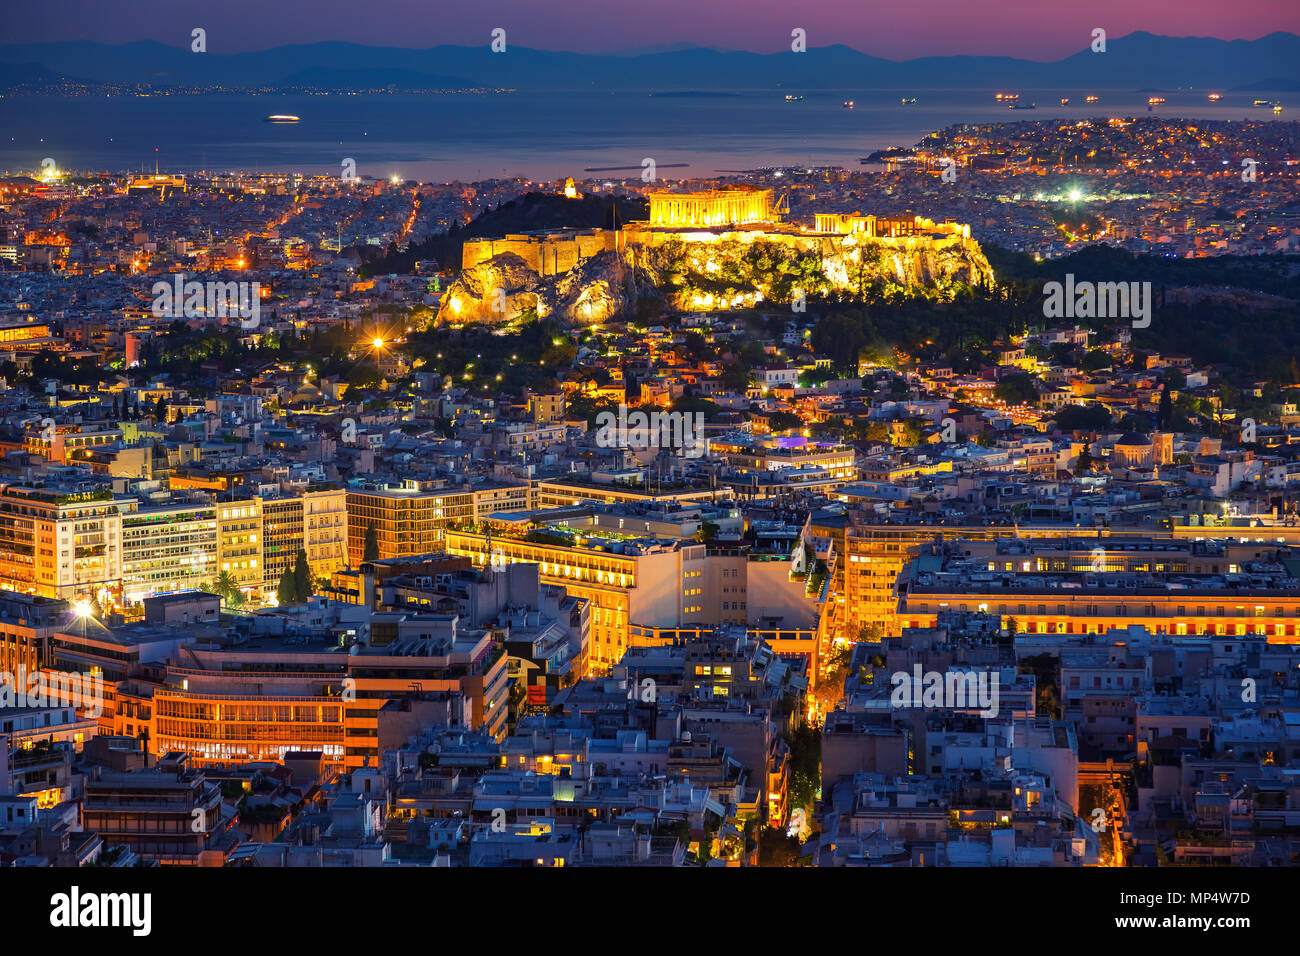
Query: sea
(586, 134)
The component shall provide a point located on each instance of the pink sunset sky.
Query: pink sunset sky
(1030, 29)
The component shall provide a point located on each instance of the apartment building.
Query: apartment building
(650, 582)
(168, 547)
(226, 706)
(27, 621)
(61, 542)
(876, 553)
(409, 655)
(65, 443)
(620, 488)
(320, 686)
(169, 814)
(410, 517)
(747, 456)
(239, 543)
(1055, 597)
(315, 521)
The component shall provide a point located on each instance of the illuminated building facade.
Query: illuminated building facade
(239, 542)
(562, 492)
(63, 443)
(712, 208)
(882, 227)
(61, 543)
(27, 622)
(875, 554)
(1063, 587)
(747, 458)
(170, 547)
(315, 522)
(406, 520)
(409, 655)
(662, 586)
(30, 335)
(411, 520)
(265, 709)
(227, 705)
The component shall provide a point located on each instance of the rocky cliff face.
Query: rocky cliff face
(727, 270)
(504, 289)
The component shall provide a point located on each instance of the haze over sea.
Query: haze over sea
(468, 136)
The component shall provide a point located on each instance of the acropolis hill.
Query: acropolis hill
(719, 249)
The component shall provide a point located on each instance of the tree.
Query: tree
(286, 591)
(1083, 464)
(775, 848)
(1165, 416)
(370, 549)
(1017, 389)
(1082, 418)
(830, 688)
(227, 588)
(783, 421)
(736, 376)
(695, 348)
(302, 579)
(872, 631)
(910, 435)
(1095, 360)
(805, 745)
(707, 532)
(841, 338)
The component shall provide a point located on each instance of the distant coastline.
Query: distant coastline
(1136, 61)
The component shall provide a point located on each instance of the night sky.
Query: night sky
(1032, 29)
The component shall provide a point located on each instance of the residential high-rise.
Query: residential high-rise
(61, 542)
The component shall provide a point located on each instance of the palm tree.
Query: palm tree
(226, 587)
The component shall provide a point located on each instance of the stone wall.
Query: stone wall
(546, 254)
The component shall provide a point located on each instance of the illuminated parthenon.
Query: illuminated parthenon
(739, 206)
(736, 206)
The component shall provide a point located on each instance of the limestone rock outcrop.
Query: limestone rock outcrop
(705, 271)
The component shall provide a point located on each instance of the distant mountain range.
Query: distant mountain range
(1130, 62)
